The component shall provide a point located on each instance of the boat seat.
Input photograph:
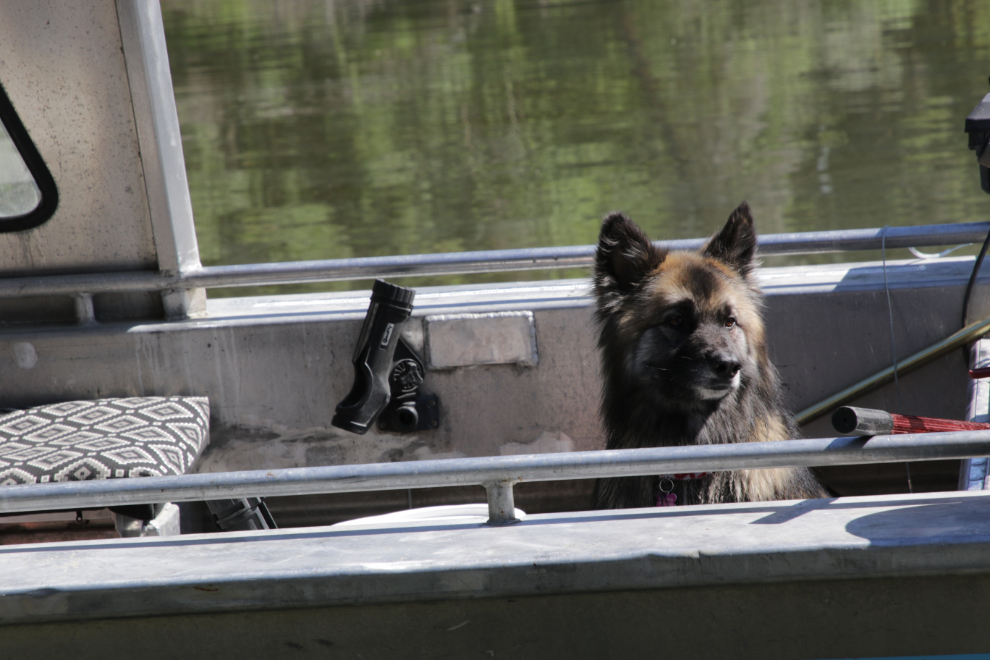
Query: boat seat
(105, 439)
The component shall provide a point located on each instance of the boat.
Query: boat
(106, 298)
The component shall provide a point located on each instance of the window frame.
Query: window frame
(36, 166)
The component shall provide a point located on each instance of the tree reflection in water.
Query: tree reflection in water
(375, 127)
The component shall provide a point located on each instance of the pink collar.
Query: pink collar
(667, 498)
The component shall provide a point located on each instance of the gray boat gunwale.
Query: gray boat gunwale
(889, 536)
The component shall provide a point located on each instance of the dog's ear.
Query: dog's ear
(625, 255)
(735, 245)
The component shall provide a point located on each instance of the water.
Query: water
(319, 130)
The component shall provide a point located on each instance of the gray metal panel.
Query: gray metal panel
(825, 336)
(463, 340)
(869, 618)
(642, 549)
(62, 66)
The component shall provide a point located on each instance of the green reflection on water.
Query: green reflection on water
(377, 127)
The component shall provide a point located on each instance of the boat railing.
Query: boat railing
(460, 263)
(496, 474)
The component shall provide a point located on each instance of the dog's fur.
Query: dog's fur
(684, 361)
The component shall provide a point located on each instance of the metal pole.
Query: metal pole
(454, 263)
(482, 471)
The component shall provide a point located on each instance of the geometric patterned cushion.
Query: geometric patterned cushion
(103, 439)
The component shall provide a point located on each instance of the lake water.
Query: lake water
(320, 130)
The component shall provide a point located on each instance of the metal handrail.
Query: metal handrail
(497, 474)
(460, 263)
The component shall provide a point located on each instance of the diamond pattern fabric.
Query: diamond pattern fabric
(103, 439)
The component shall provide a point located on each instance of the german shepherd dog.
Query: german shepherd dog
(684, 361)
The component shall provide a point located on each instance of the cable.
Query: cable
(890, 316)
(893, 346)
(972, 279)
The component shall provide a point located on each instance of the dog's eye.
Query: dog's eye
(676, 321)
(730, 322)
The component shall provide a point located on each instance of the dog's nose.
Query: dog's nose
(725, 366)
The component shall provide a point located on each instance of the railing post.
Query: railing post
(501, 503)
(85, 312)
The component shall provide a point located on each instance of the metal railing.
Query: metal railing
(460, 263)
(496, 474)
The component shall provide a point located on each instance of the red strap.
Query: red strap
(685, 476)
(982, 372)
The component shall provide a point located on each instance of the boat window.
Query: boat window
(28, 196)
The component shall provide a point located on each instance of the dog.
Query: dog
(684, 361)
